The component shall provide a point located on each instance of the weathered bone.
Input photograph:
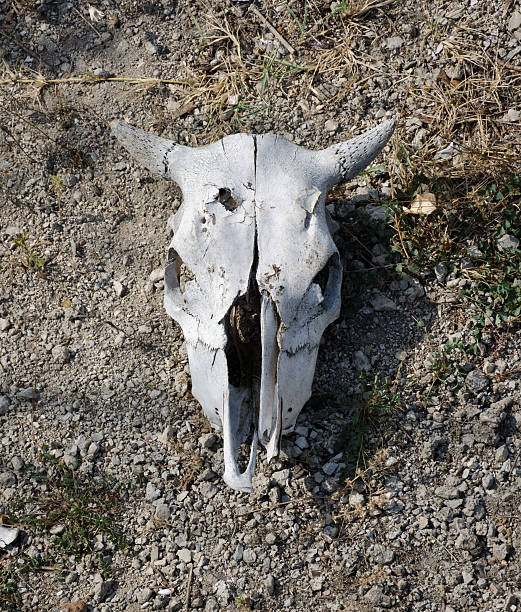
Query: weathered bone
(253, 275)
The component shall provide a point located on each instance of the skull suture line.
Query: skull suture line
(253, 275)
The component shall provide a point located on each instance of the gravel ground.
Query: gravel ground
(94, 378)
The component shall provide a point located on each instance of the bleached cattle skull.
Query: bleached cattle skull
(253, 276)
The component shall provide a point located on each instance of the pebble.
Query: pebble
(29, 393)
(61, 354)
(331, 126)
(119, 288)
(152, 492)
(269, 583)
(507, 242)
(162, 511)
(382, 303)
(477, 380)
(361, 362)
(102, 589)
(515, 20)
(208, 440)
(249, 556)
(157, 274)
(394, 42)
(4, 404)
(5, 325)
(185, 555)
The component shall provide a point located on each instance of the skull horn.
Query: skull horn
(149, 150)
(346, 159)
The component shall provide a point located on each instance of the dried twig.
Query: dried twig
(189, 589)
(272, 29)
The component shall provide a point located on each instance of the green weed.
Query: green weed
(31, 258)
(373, 405)
(74, 517)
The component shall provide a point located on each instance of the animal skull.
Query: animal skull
(253, 276)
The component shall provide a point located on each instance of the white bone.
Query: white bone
(244, 274)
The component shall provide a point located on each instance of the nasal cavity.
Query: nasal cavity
(226, 198)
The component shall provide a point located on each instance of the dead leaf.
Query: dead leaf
(75, 606)
(95, 14)
(423, 204)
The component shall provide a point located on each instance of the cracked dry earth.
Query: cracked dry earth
(94, 378)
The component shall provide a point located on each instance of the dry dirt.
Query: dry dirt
(400, 487)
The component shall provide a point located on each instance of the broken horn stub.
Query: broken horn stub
(346, 159)
(254, 276)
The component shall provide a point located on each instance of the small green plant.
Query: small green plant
(75, 516)
(31, 258)
(243, 602)
(57, 184)
(446, 362)
(372, 406)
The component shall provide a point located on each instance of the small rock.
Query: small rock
(8, 535)
(5, 324)
(507, 242)
(207, 490)
(166, 434)
(17, 463)
(477, 380)
(381, 303)
(500, 551)
(222, 592)
(119, 288)
(61, 354)
(208, 440)
(163, 512)
(281, 477)
(356, 499)
(102, 589)
(270, 584)
(185, 555)
(150, 47)
(144, 595)
(467, 577)
(330, 468)
(394, 42)
(488, 481)
(29, 393)
(376, 597)
(237, 555)
(515, 21)
(331, 125)
(382, 555)
(152, 492)
(447, 492)
(513, 115)
(157, 275)
(249, 556)
(4, 404)
(211, 605)
(361, 362)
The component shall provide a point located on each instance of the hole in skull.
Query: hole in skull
(183, 273)
(329, 277)
(243, 350)
(226, 198)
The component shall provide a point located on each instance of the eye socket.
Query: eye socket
(226, 198)
(329, 280)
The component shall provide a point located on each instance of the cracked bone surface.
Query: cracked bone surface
(253, 276)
